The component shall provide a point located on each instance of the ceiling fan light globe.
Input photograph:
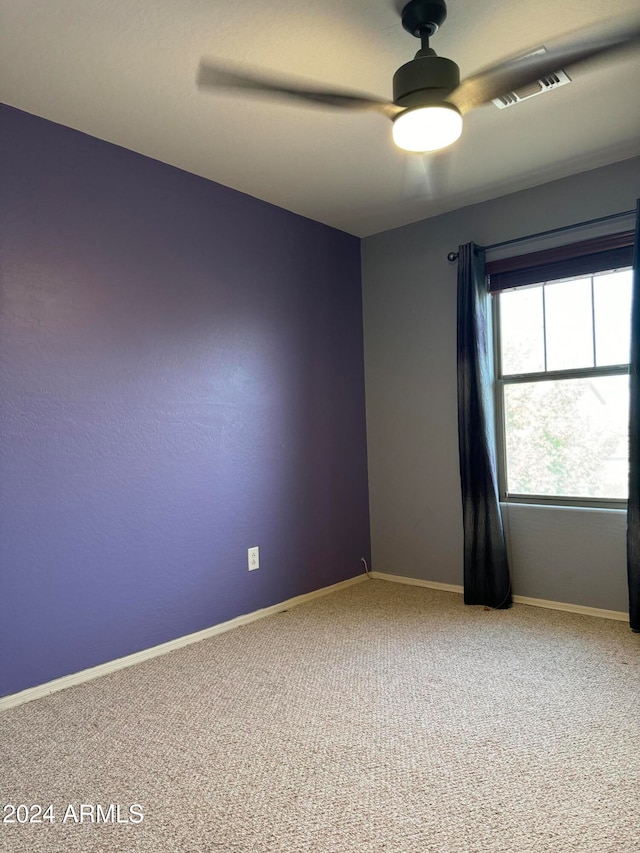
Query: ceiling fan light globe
(422, 129)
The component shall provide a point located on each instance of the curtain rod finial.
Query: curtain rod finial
(452, 256)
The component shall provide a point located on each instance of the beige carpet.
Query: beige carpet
(380, 719)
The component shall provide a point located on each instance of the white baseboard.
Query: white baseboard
(71, 680)
(598, 612)
(57, 684)
(446, 587)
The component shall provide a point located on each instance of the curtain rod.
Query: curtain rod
(453, 256)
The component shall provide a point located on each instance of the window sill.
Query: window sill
(562, 503)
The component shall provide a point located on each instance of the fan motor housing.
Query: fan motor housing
(426, 78)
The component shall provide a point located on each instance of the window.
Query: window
(562, 322)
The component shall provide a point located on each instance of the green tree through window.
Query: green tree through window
(562, 388)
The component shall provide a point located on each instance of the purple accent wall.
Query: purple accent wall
(181, 378)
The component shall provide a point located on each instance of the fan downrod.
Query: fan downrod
(423, 18)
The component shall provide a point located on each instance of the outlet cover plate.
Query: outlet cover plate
(253, 558)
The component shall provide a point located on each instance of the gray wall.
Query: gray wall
(409, 289)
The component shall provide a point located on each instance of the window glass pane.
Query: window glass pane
(569, 324)
(568, 438)
(612, 305)
(521, 331)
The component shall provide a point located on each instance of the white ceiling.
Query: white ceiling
(124, 71)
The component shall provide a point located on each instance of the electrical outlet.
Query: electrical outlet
(254, 558)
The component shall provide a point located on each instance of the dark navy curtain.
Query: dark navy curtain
(486, 569)
(633, 512)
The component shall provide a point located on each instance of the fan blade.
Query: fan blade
(513, 74)
(426, 176)
(216, 76)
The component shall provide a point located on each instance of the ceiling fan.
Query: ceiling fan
(429, 100)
